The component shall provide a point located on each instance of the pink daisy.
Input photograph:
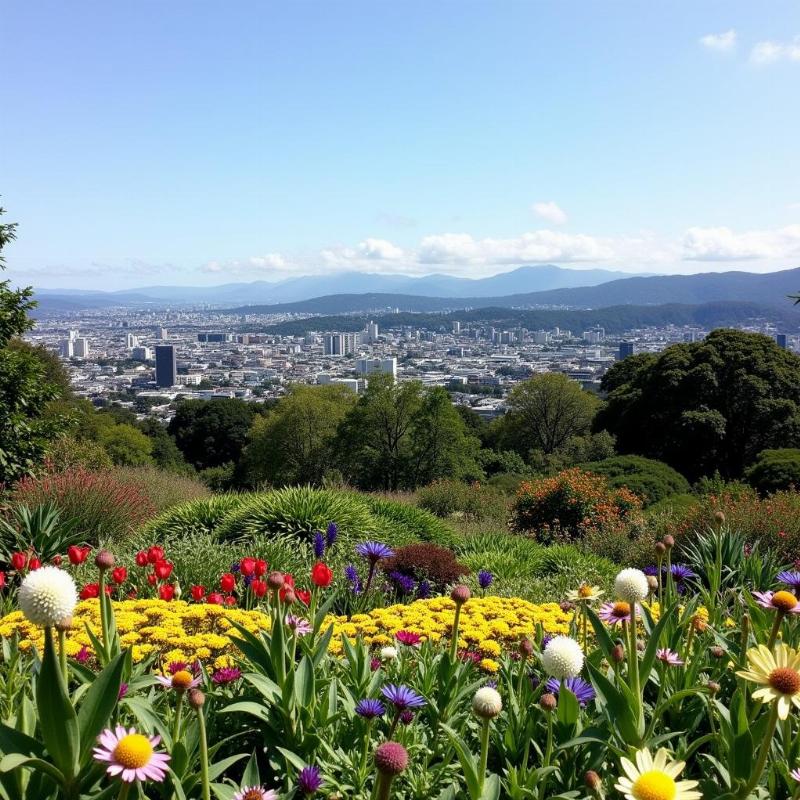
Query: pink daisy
(131, 755)
(180, 681)
(300, 626)
(615, 613)
(255, 793)
(669, 657)
(409, 638)
(782, 601)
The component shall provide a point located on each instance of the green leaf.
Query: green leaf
(304, 683)
(247, 707)
(653, 641)
(16, 761)
(251, 775)
(98, 704)
(620, 711)
(568, 707)
(741, 757)
(469, 764)
(57, 719)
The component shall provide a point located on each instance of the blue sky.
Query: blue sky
(199, 142)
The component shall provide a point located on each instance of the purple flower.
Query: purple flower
(123, 690)
(652, 570)
(82, 656)
(424, 590)
(226, 675)
(402, 697)
(309, 780)
(319, 545)
(248, 579)
(374, 551)
(331, 534)
(351, 573)
(680, 572)
(790, 578)
(582, 690)
(406, 717)
(546, 640)
(235, 566)
(369, 708)
(485, 578)
(404, 584)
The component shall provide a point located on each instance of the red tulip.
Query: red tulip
(198, 592)
(34, 563)
(215, 599)
(288, 583)
(261, 567)
(155, 554)
(57, 560)
(321, 575)
(259, 587)
(77, 554)
(162, 569)
(227, 582)
(141, 559)
(247, 566)
(151, 579)
(166, 591)
(230, 600)
(303, 595)
(119, 574)
(2, 579)
(19, 560)
(89, 591)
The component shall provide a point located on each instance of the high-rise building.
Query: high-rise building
(372, 332)
(456, 328)
(333, 344)
(131, 341)
(210, 336)
(162, 334)
(166, 365)
(66, 348)
(371, 366)
(80, 347)
(141, 354)
(73, 335)
(625, 350)
(782, 340)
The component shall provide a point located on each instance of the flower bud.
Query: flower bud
(104, 560)
(487, 703)
(717, 651)
(290, 598)
(391, 758)
(526, 648)
(275, 581)
(460, 594)
(548, 702)
(592, 780)
(64, 624)
(719, 518)
(195, 698)
(566, 606)
(660, 549)
(713, 688)
(669, 541)
(652, 583)
(618, 654)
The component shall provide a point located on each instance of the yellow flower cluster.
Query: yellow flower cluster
(172, 631)
(486, 626)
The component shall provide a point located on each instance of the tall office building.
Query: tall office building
(333, 344)
(781, 340)
(66, 348)
(371, 366)
(372, 332)
(161, 333)
(166, 365)
(625, 350)
(80, 347)
(131, 341)
(456, 328)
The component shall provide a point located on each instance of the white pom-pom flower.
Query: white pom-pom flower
(631, 586)
(562, 658)
(388, 653)
(47, 596)
(487, 703)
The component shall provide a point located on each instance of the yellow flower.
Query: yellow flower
(777, 673)
(655, 778)
(585, 593)
(489, 665)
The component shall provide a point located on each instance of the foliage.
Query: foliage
(494, 462)
(162, 489)
(474, 500)
(649, 479)
(127, 446)
(200, 516)
(100, 505)
(425, 561)
(544, 413)
(401, 522)
(67, 452)
(707, 405)
(42, 530)
(774, 470)
(570, 504)
(294, 443)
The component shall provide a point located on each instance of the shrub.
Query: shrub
(100, 505)
(398, 522)
(163, 489)
(775, 470)
(472, 500)
(649, 479)
(426, 561)
(569, 504)
(508, 482)
(195, 517)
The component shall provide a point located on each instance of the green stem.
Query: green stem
(124, 790)
(365, 751)
(101, 584)
(776, 627)
(62, 653)
(755, 776)
(204, 781)
(633, 663)
(484, 754)
(548, 753)
(176, 725)
(454, 635)
(384, 786)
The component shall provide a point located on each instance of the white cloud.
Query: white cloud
(270, 261)
(722, 42)
(379, 250)
(768, 52)
(723, 244)
(550, 211)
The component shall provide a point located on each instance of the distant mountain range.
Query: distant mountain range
(524, 279)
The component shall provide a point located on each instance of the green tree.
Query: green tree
(211, 433)
(294, 443)
(544, 413)
(775, 470)
(26, 430)
(165, 452)
(707, 405)
(127, 445)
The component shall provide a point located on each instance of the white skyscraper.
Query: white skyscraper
(81, 347)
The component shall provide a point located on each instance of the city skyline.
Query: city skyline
(173, 145)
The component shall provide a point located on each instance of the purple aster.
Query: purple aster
(680, 572)
(369, 708)
(790, 578)
(406, 717)
(546, 640)
(351, 573)
(226, 675)
(652, 570)
(402, 697)
(404, 584)
(309, 780)
(319, 545)
(485, 578)
(582, 690)
(424, 590)
(331, 534)
(374, 551)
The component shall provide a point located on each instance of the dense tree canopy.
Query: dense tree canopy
(775, 470)
(707, 405)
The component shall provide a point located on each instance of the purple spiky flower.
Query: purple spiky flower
(370, 708)
(790, 578)
(319, 545)
(309, 781)
(579, 687)
(374, 551)
(402, 697)
(485, 579)
(331, 534)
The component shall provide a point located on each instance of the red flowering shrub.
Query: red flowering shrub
(425, 562)
(100, 505)
(570, 504)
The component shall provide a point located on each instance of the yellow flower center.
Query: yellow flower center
(654, 785)
(133, 751)
(584, 590)
(252, 794)
(784, 601)
(182, 679)
(785, 680)
(621, 609)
